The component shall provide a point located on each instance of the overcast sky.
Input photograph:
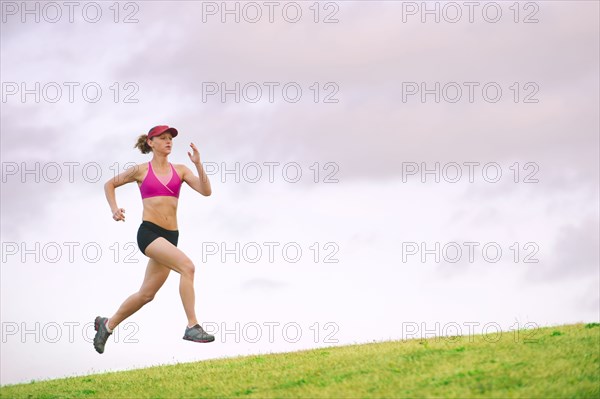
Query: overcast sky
(349, 102)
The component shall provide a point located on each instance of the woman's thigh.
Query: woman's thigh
(169, 255)
(155, 277)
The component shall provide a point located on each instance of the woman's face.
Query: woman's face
(162, 143)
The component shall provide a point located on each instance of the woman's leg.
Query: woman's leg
(169, 255)
(156, 275)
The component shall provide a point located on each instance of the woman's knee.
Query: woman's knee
(187, 268)
(146, 296)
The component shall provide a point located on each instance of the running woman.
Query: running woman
(159, 182)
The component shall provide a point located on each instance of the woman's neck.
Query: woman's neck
(160, 161)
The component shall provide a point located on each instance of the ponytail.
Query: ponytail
(142, 144)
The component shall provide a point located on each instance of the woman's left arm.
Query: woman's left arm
(199, 183)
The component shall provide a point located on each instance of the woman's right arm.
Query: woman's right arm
(128, 176)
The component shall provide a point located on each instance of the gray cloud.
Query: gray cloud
(575, 253)
(370, 133)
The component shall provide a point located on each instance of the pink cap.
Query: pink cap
(158, 130)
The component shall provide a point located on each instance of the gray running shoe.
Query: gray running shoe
(197, 334)
(102, 334)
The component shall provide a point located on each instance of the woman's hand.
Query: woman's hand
(119, 214)
(195, 158)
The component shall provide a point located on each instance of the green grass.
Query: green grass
(548, 362)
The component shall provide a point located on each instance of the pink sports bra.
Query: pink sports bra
(152, 186)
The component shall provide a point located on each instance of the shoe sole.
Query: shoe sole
(201, 341)
(96, 326)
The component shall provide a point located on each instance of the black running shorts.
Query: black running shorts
(149, 232)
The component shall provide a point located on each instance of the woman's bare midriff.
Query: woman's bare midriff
(161, 211)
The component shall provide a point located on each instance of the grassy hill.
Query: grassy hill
(549, 362)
